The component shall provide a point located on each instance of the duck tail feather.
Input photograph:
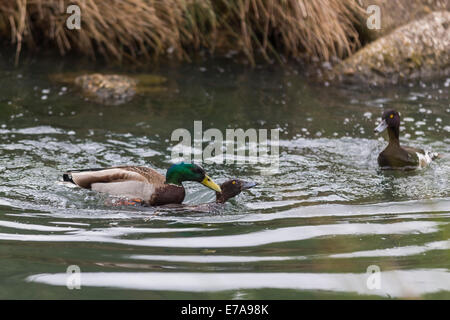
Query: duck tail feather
(67, 177)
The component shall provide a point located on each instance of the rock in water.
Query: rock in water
(417, 50)
(107, 89)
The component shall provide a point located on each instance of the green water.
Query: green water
(309, 231)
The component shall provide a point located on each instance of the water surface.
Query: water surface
(309, 231)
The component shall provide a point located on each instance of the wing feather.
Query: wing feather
(86, 178)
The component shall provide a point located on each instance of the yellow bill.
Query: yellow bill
(208, 182)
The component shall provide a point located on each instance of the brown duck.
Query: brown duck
(230, 189)
(395, 156)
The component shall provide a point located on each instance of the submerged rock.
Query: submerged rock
(417, 50)
(107, 89)
(112, 89)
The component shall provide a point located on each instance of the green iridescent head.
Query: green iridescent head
(180, 172)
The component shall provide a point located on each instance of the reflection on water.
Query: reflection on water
(310, 230)
(395, 283)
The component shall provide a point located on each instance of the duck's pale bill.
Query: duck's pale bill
(382, 126)
(248, 185)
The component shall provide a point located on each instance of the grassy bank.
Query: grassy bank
(143, 30)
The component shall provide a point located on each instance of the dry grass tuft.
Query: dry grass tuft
(141, 30)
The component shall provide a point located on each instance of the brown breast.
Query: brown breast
(166, 194)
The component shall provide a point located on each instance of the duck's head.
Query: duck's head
(180, 172)
(389, 119)
(232, 188)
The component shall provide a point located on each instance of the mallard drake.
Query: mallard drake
(395, 156)
(141, 183)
